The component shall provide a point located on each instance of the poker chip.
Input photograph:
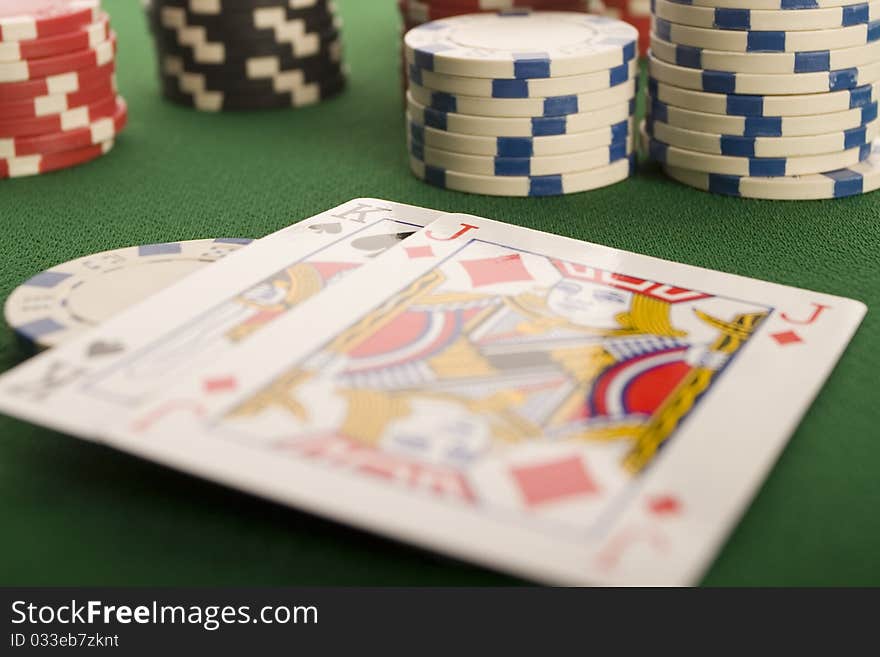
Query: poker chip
(33, 165)
(257, 79)
(222, 7)
(763, 147)
(524, 88)
(790, 5)
(519, 146)
(543, 165)
(764, 167)
(518, 127)
(228, 57)
(30, 69)
(57, 304)
(415, 13)
(246, 34)
(519, 102)
(858, 179)
(764, 126)
(805, 18)
(755, 97)
(521, 45)
(766, 40)
(22, 20)
(524, 107)
(423, 11)
(635, 12)
(764, 105)
(309, 93)
(47, 105)
(765, 63)
(69, 120)
(755, 83)
(325, 62)
(323, 56)
(244, 19)
(555, 185)
(96, 132)
(88, 36)
(218, 55)
(62, 83)
(59, 105)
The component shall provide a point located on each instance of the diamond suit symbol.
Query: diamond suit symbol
(786, 338)
(553, 481)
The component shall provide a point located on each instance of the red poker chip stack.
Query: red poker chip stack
(635, 12)
(416, 12)
(59, 105)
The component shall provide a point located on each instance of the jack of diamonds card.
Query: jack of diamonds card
(556, 409)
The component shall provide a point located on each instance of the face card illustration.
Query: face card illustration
(203, 316)
(557, 409)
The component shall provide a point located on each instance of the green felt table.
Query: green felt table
(76, 514)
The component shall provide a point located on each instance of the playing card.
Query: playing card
(552, 408)
(88, 381)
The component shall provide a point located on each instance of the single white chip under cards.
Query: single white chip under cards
(59, 303)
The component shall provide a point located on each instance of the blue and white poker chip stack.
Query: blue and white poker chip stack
(521, 103)
(773, 99)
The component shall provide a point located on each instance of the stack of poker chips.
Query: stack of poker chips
(58, 101)
(766, 98)
(218, 55)
(416, 12)
(521, 103)
(635, 12)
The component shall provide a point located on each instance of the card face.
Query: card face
(559, 410)
(82, 384)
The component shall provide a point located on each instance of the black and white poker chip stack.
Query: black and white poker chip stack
(218, 55)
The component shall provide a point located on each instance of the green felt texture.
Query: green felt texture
(76, 513)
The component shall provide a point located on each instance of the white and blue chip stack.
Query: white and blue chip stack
(772, 99)
(521, 103)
